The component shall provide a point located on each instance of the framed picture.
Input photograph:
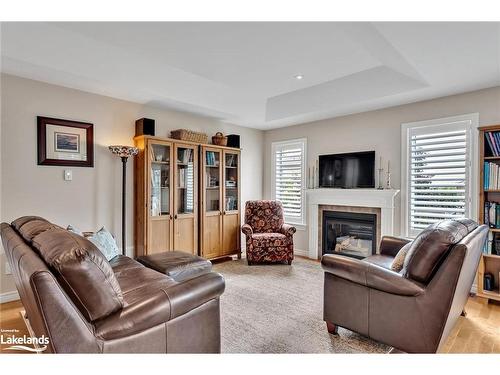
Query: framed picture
(65, 143)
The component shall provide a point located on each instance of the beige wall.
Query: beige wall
(378, 130)
(93, 198)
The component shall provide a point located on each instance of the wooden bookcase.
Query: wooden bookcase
(489, 263)
(220, 193)
(166, 195)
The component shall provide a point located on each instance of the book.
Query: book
(493, 143)
(492, 215)
(497, 216)
(496, 137)
(487, 213)
(485, 176)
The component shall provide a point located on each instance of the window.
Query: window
(437, 171)
(289, 178)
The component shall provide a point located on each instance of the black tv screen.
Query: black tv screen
(347, 171)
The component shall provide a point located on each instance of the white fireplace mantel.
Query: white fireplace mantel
(383, 199)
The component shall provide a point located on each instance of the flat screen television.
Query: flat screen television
(347, 171)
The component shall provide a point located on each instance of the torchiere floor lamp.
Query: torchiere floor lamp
(124, 152)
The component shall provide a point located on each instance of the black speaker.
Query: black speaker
(233, 140)
(144, 126)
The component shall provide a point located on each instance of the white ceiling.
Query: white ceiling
(244, 73)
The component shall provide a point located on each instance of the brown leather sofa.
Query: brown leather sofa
(412, 310)
(85, 304)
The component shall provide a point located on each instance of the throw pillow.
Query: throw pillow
(399, 259)
(105, 242)
(74, 230)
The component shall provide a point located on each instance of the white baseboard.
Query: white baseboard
(302, 253)
(9, 296)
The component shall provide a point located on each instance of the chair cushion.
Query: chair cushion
(82, 270)
(268, 239)
(30, 226)
(177, 264)
(19, 222)
(136, 281)
(431, 246)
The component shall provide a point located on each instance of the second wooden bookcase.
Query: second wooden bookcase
(220, 202)
(489, 263)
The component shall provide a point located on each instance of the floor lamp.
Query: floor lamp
(124, 152)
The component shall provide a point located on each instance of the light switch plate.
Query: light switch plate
(68, 175)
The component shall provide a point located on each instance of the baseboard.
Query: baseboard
(9, 296)
(302, 253)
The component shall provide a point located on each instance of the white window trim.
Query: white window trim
(472, 157)
(274, 145)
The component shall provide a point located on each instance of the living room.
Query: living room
(208, 187)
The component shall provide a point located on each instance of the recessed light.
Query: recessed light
(299, 76)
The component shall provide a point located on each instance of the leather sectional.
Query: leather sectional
(85, 304)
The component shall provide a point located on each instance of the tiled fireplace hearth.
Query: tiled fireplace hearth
(379, 205)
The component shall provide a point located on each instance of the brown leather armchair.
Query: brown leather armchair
(412, 310)
(85, 304)
(268, 238)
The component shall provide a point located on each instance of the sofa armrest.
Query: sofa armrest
(165, 305)
(390, 245)
(190, 294)
(247, 230)
(287, 230)
(370, 275)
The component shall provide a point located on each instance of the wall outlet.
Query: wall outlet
(8, 271)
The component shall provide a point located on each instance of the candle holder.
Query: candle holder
(380, 178)
(388, 183)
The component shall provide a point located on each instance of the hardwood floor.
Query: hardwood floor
(479, 332)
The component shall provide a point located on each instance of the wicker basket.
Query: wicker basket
(219, 139)
(189, 135)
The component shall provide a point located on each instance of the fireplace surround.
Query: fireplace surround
(381, 202)
(349, 233)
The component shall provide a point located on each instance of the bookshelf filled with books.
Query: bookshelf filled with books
(488, 274)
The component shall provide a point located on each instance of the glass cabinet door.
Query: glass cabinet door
(231, 183)
(185, 180)
(160, 180)
(212, 183)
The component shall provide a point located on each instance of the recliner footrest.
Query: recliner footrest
(179, 265)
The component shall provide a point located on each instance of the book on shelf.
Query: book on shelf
(493, 142)
(491, 176)
(492, 245)
(211, 159)
(185, 156)
(492, 214)
(231, 160)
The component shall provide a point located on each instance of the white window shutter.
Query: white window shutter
(289, 178)
(438, 174)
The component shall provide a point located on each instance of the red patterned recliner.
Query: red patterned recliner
(268, 238)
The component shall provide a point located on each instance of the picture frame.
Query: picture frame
(65, 142)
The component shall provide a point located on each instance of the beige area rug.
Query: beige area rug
(279, 309)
